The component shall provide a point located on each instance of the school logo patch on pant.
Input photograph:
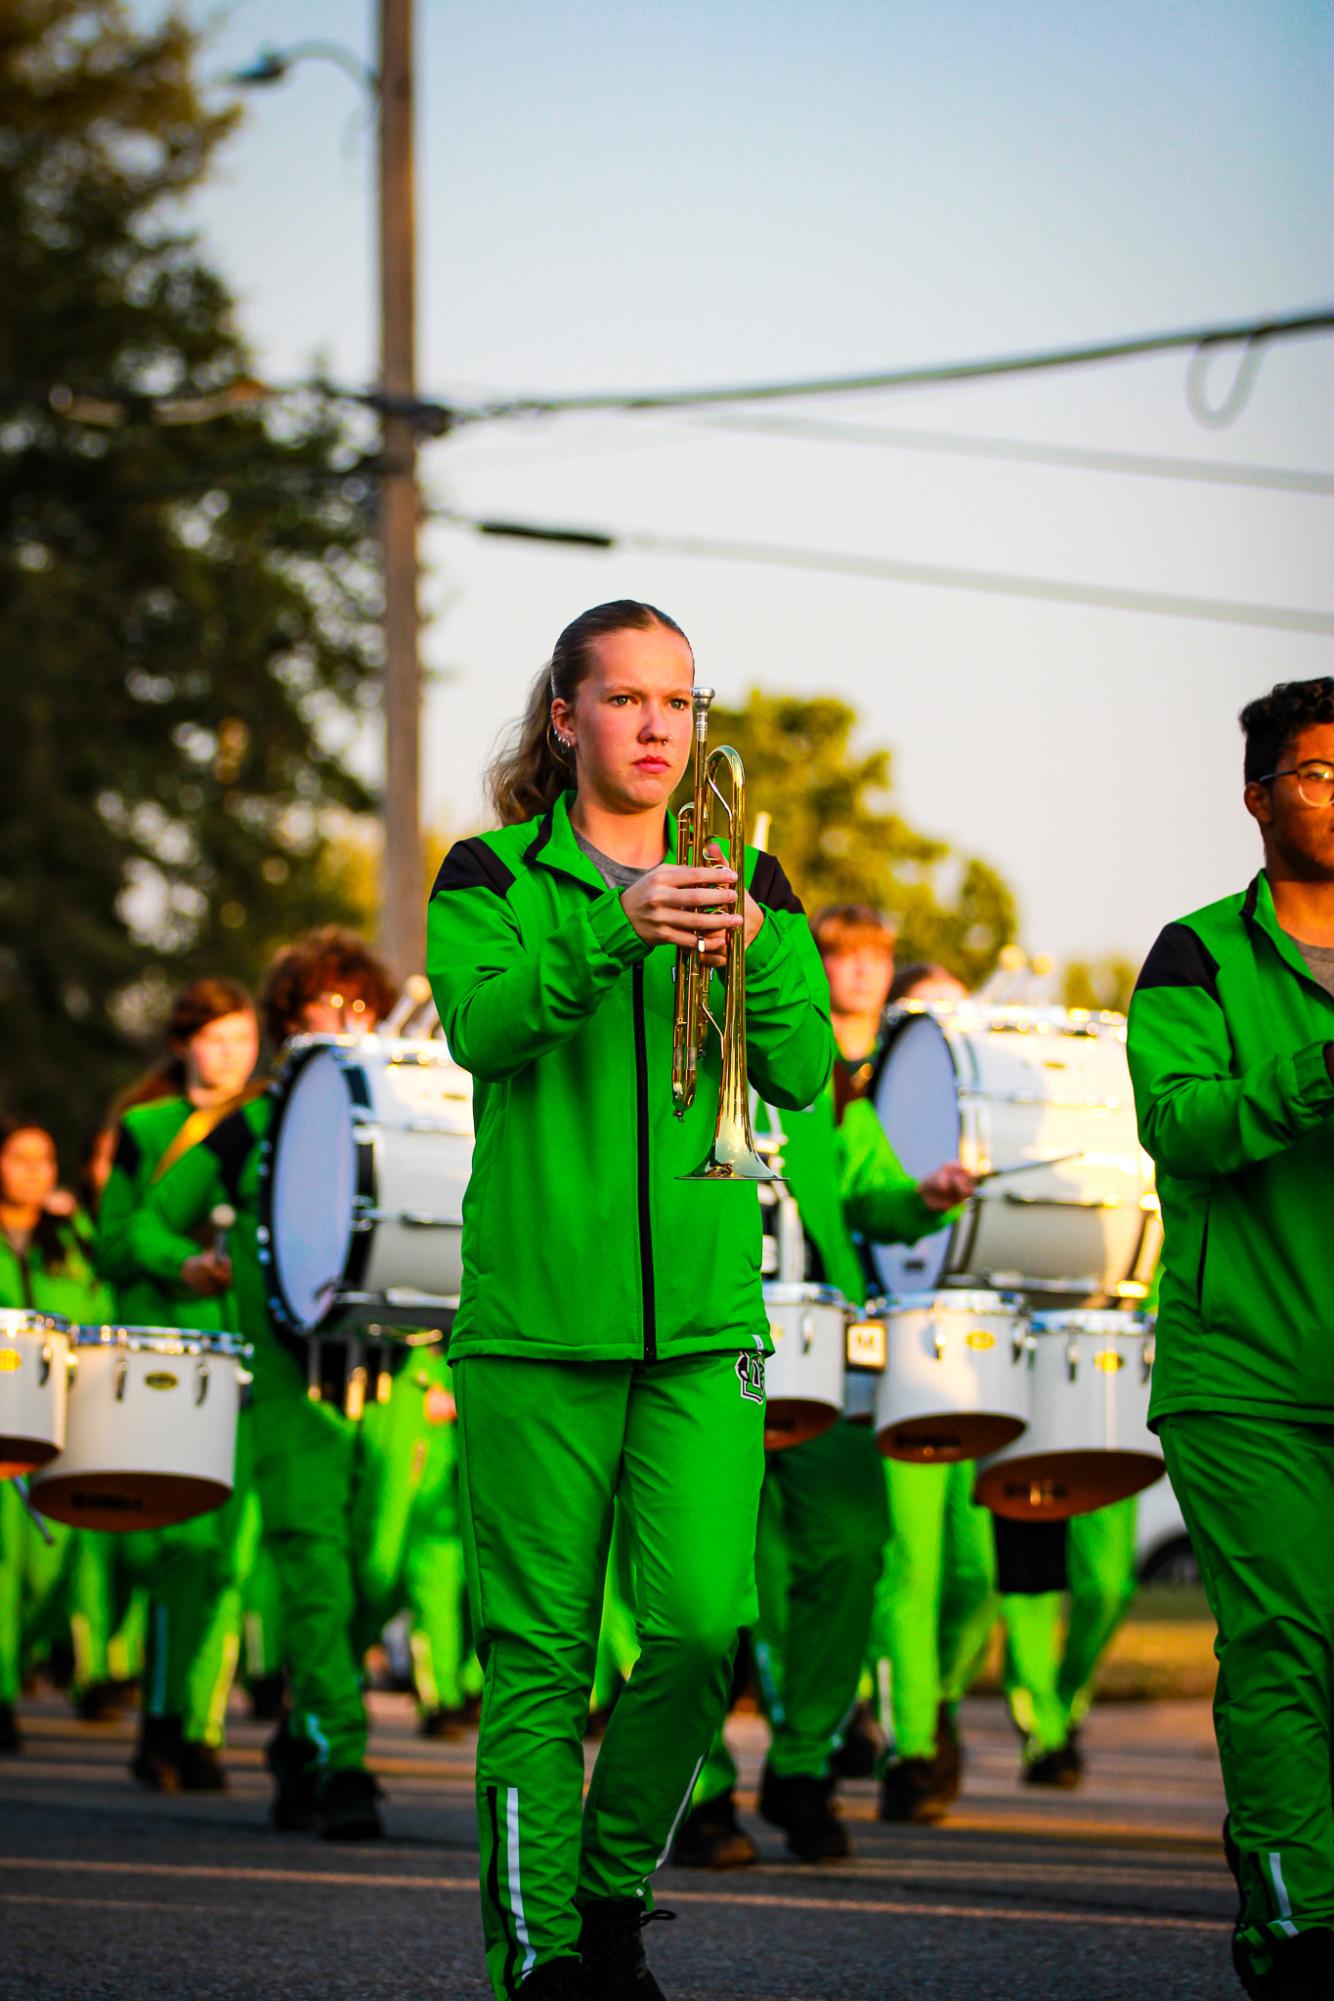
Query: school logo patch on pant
(750, 1375)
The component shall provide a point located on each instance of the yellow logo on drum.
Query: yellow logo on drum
(10, 1359)
(979, 1340)
(1109, 1361)
(161, 1379)
(775, 1334)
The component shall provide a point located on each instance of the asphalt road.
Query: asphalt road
(108, 1893)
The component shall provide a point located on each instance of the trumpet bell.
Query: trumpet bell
(732, 1157)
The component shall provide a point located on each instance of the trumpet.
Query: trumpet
(733, 1155)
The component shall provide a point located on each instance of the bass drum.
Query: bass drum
(361, 1194)
(999, 1086)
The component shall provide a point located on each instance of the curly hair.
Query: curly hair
(529, 772)
(329, 961)
(1272, 721)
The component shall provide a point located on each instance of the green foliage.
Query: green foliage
(840, 840)
(1099, 984)
(187, 606)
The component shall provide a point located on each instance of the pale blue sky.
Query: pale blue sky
(632, 195)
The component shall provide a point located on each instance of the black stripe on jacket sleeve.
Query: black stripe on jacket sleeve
(771, 888)
(473, 865)
(1180, 958)
(128, 1152)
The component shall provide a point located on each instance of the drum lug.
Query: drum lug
(1072, 1360)
(938, 1342)
(1146, 1361)
(45, 1369)
(807, 1331)
(1021, 1345)
(122, 1377)
(201, 1382)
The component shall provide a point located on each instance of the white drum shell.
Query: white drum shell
(999, 1086)
(803, 1378)
(1088, 1442)
(150, 1435)
(34, 1383)
(370, 1158)
(956, 1382)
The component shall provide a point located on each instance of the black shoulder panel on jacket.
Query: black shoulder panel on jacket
(473, 865)
(1180, 958)
(128, 1151)
(230, 1142)
(770, 887)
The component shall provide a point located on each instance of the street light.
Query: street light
(403, 913)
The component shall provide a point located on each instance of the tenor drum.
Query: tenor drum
(803, 1378)
(999, 1086)
(1088, 1441)
(150, 1433)
(956, 1382)
(362, 1187)
(34, 1381)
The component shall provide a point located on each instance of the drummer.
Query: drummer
(46, 1267)
(824, 1501)
(935, 1602)
(193, 1570)
(311, 1464)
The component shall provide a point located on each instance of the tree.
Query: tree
(189, 606)
(841, 841)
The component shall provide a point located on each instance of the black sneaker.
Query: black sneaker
(804, 1808)
(294, 1763)
(555, 1980)
(10, 1736)
(1300, 1968)
(100, 1702)
(346, 1806)
(1063, 1769)
(436, 1723)
(611, 1946)
(200, 1769)
(711, 1837)
(910, 1791)
(948, 1761)
(156, 1761)
(1232, 1856)
(856, 1756)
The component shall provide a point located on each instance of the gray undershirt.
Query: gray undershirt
(616, 875)
(1319, 962)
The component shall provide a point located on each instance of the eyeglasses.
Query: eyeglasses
(1315, 782)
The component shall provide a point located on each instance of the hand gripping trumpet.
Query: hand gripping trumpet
(733, 1156)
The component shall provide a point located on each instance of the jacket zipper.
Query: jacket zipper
(645, 1208)
(1204, 1251)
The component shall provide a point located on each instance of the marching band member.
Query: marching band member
(611, 1337)
(45, 1266)
(192, 1569)
(828, 1495)
(310, 1463)
(935, 1602)
(1232, 1057)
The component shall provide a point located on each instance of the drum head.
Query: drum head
(916, 1096)
(312, 1188)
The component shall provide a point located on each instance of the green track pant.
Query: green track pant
(108, 1610)
(824, 1505)
(31, 1601)
(547, 1448)
(1258, 1498)
(935, 1602)
(1049, 1683)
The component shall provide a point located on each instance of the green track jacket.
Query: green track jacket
(581, 1241)
(70, 1289)
(1228, 1033)
(847, 1181)
(137, 1253)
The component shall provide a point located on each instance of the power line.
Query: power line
(938, 576)
(1024, 451)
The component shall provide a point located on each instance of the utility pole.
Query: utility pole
(403, 918)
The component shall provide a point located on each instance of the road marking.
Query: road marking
(732, 1899)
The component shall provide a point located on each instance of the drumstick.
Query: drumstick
(1025, 1167)
(222, 1219)
(40, 1525)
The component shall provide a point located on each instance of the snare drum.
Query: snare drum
(997, 1086)
(362, 1186)
(1088, 1441)
(34, 1380)
(956, 1381)
(150, 1433)
(803, 1378)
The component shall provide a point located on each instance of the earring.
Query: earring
(562, 745)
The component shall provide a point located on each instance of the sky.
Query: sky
(625, 196)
